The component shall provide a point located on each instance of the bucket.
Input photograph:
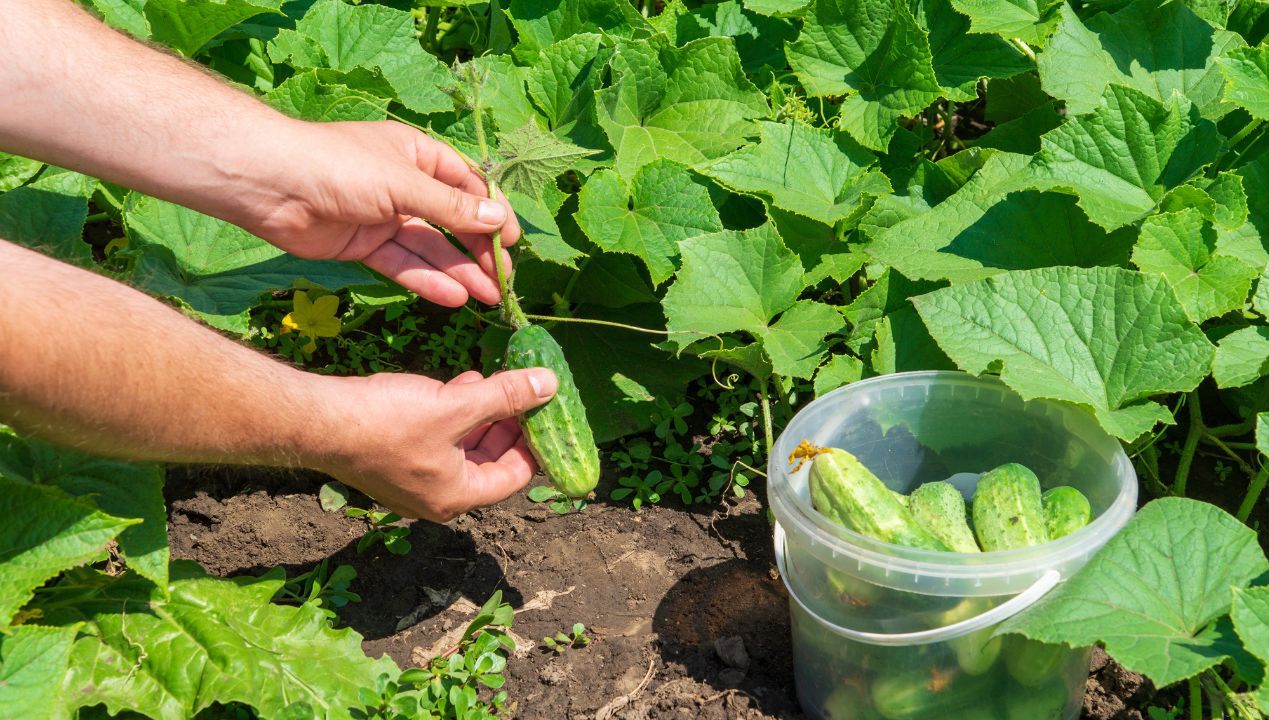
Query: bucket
(889, 632)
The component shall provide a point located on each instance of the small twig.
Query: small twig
(609, 711)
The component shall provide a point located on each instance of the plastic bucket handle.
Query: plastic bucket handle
(1000, 613)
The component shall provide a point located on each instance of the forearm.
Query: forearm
(93, 364)
(80, 95)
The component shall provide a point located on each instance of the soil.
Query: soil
(687, 616)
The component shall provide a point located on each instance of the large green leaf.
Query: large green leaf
(759, 40)
(562, 84)
(530, 159)
(821, 175)
(960, 238)
(371, 38)
(15, 170)
(741, 281)
(1153, 593)
(649, 217)
(168, 653)
(218, 269)
(187, 25)
(127, 15)
(1123, 157)
(541, 23)
(1242, 357)
(541, 234)
(45, 531)
(125, 490)
(1152, 46)
(1247, 79)
(1103, 338)
(33, 661)
(304, 95)
(688, 104)
(1184, 248)
(1024, 19)
(48, 214)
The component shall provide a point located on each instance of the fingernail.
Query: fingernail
(491, 212)
(544, 383)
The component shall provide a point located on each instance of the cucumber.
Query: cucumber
(940, 507)
(558, 433)
(1043, 703)
(1030, 662)
(846, 492)
(931, 694)
(1008, 512)
(1065, 511)
(975, 652)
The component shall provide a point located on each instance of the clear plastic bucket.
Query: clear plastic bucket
(882, 631)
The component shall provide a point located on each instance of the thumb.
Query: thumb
(504, 395)
(423, 196)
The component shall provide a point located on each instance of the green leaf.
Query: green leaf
(562, 84)
(759, 40)
(960, 238)
(838, 371)
(1262, 433)
(613, 281)
(962, 58)
(125, 490)
(1122, 158)
(740, 281)
(688, 104)
(374, 38)
(1123, 338)
(218, 269)
(1260, 301)
(649, 217)
(777, 8)
(127, 15)
(541, 234)
(48, 215)
(1184, 249)
(187, 25)
(541, 23)
(821, 175)
(206, 640)
(16, 170)
(902, 343)
(530, 159)
(1247, 79)
(1242, 357)
(1152, 593)
(837, 266)
(1025, 19)
(1250, 615)
(33, 660)
(45, 532)
(873, 52)
(332, 495)
(305, 96)
(888, 294)
(1157, 48)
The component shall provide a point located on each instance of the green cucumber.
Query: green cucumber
(1065, 511)
(1043, 703)
(1031, 662)
(846, 492)
(977, 651)
(558, 433)
(940, 507)
(929, 694)
(1008, 513)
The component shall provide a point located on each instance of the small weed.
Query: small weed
(563, 641)
(381, 531)
(559, 503)
(328, 588)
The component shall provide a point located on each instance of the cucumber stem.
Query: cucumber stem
(767, 435)
(1253, 492)
(1191, 444)
(1196, 699)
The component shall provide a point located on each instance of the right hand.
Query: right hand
(423, 448)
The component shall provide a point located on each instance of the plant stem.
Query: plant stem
(358, 319)
(429, 31)
(1024, 47)
(1191, 444)
(1225, 448)
(1241, 135)
(1234, 429)
(1196, 699)
(97, 217)
(1253, 492)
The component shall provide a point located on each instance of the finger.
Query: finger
(414, 273)
(493, 482)
(500, 396)
(498, 439)
(481, 248)
(470, 376)
(473, 438)
(428, 243)
(422, 195)
(445, 164)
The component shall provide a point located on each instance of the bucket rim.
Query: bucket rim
(790, 509)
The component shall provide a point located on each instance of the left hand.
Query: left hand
(376, 192)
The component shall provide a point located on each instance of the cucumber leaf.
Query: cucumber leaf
(1154, 593)
(1247, 79)
(1185, 249)
(1103, 338)
(1242, 357)
(33, 661)
(16, 170)
(48, 214)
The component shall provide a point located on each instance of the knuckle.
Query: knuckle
(459, 204)
(512, 396)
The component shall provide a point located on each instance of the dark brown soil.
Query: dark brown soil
(665, 593)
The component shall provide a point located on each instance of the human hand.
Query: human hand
(422, 448)
(376, 192)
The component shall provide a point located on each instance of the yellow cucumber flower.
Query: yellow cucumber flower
(312, 318)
